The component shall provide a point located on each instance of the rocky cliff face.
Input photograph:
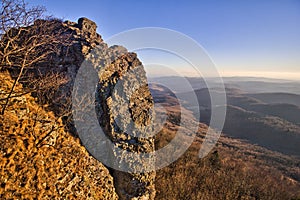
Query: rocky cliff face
(53, 162)
(125, 112)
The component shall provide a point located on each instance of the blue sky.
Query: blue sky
(243, 37)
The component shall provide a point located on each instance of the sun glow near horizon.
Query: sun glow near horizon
(292, 76)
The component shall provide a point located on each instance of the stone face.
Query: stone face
(119, 72)
(124, 110)
(125, 104)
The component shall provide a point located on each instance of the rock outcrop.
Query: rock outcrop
(53, 161)
(124, 110)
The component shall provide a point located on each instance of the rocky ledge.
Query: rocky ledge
(41, 154)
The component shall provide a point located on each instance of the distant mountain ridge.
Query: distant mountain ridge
(246, 84)
(277, 98)
(259, 118)
(223, 169)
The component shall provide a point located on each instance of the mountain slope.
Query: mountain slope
(274, 98)
(39, 159)
(275, 126)
(233, 170)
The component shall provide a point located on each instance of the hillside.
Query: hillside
(54, 113)
(270, 132)
(285, 111)
(274, 98)
(275, 126)
(235, 169)
(40, 159)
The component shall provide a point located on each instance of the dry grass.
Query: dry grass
(40, 160)
(228, 172)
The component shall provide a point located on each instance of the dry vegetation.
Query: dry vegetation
(27, 42)
(224, 174)
(40, 160)
(233, 170)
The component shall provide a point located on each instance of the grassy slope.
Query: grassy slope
(233, 170)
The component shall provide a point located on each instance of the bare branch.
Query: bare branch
(26, 40)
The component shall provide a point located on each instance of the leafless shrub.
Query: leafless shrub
(27, 40)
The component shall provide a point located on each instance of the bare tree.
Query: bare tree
(28, 39)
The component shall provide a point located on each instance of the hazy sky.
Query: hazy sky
(243, 37)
